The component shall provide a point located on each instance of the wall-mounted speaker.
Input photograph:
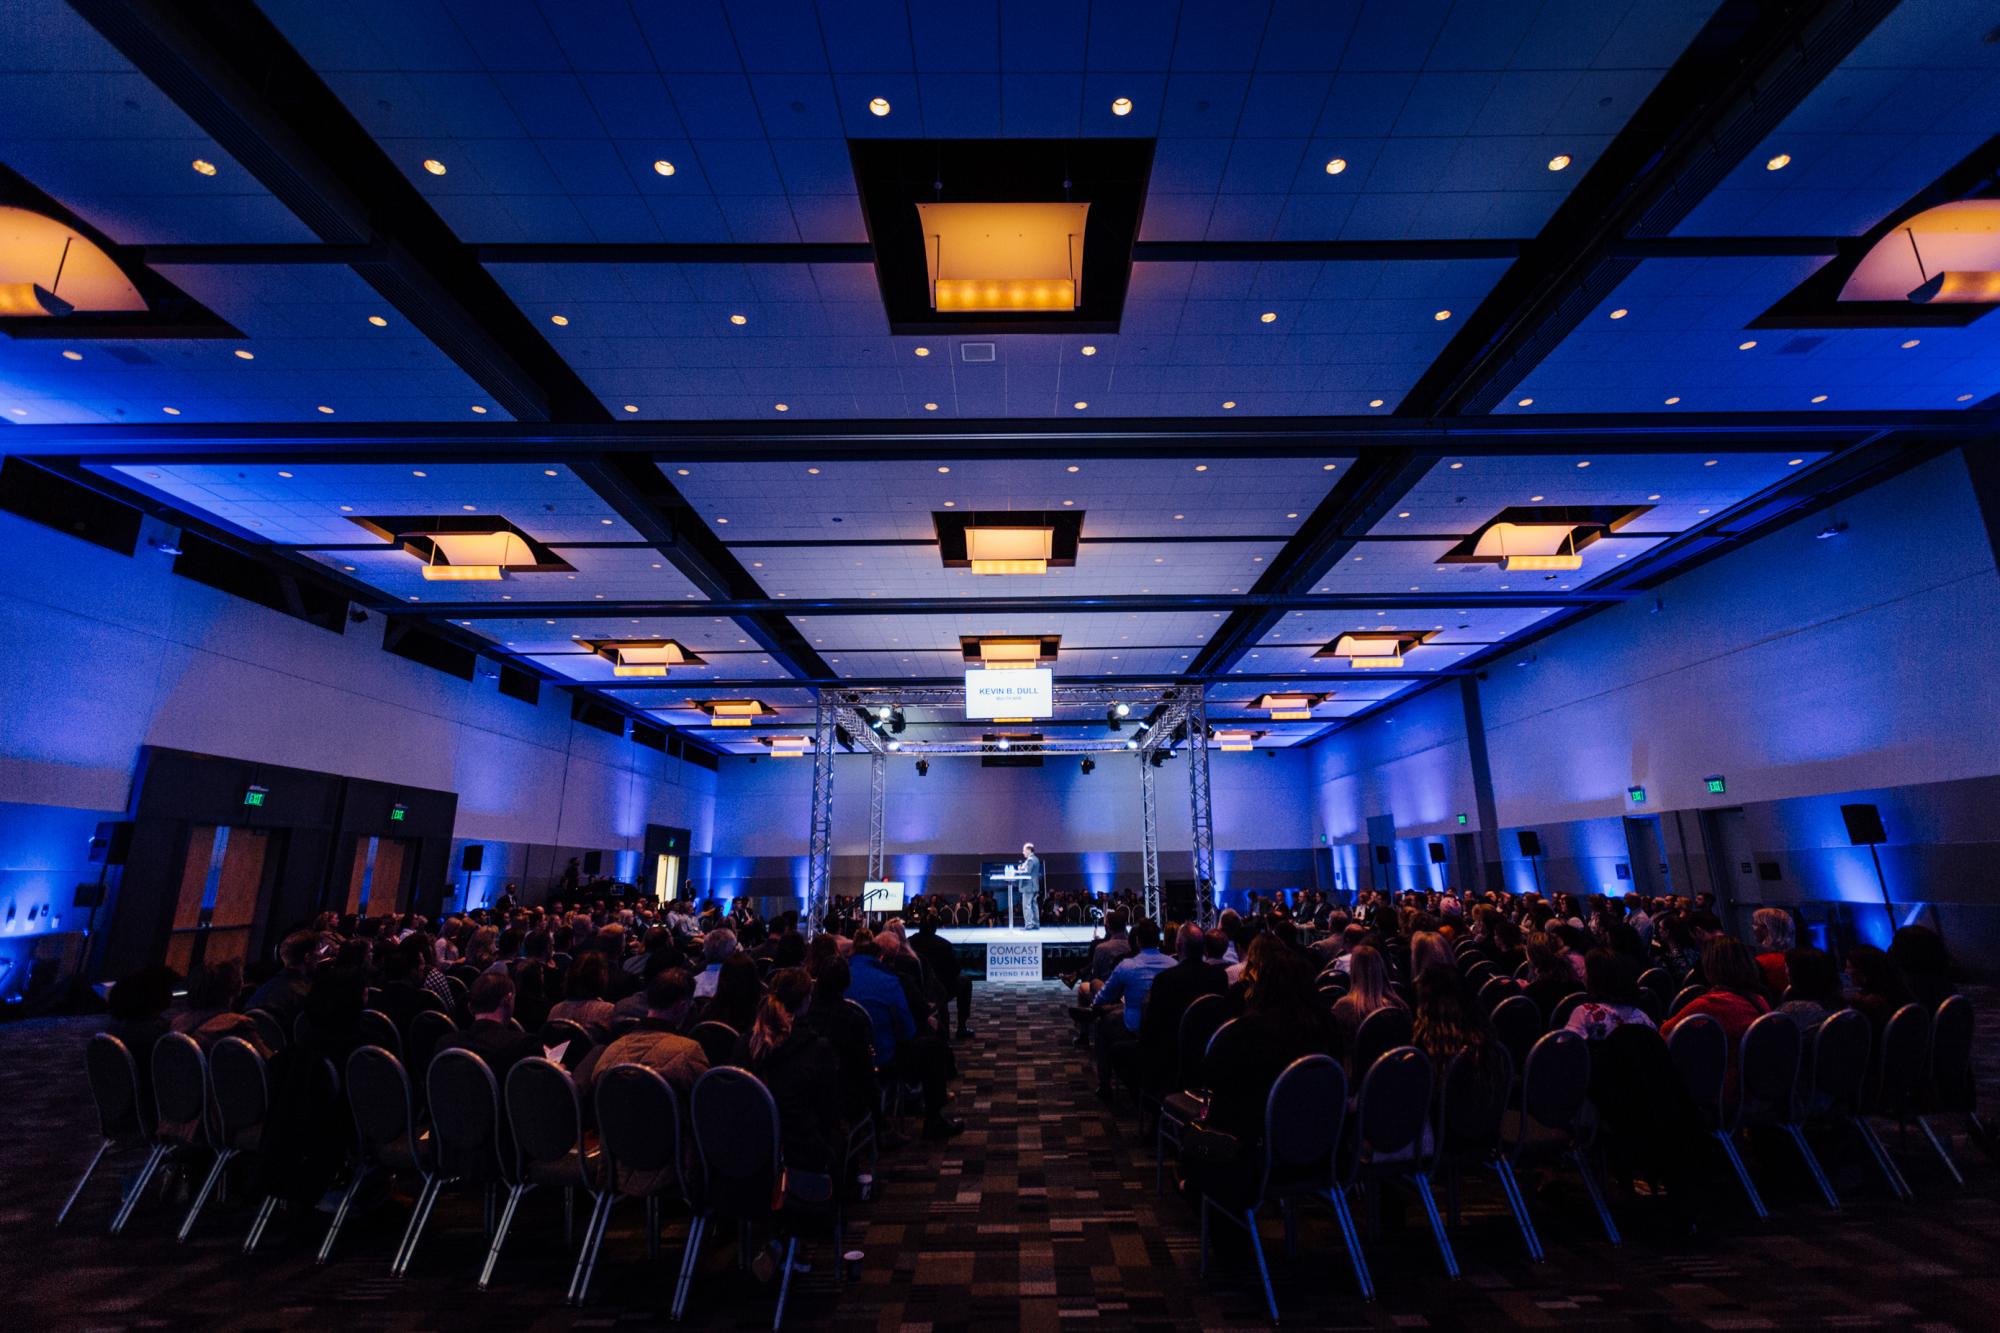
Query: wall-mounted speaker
(1531, 842)
(1864, 825)
(593, 862)
(473, 857)
(1437, 853)
(112, 843)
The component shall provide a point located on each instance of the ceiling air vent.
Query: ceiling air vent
(975, 351)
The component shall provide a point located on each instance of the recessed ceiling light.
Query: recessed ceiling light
(1819, 398)
(1292, 515)
(1441, 316)
(1793, 462)
(1701, 511)
(1201, 467)
(435, 167)
(284, 474)
(1072, 468)
(245, 354)
(1584, 463)
(1746, 344)
(1525, 402)
(1535, 498)
(951, 504)
(1711, 462)
(719, 520)
(1652, 497)
(1965, 398)
(1228, 404)
(548, 472)
(812, 472)
(416, 473)
(739, 319)
(203, 167)
(324, 410)
(1121, 106)
(1069, 502)
(1374, 402)
(1620, 313)
(1335, 166)
(1911, 343)
(560, 321)
(1269, 317)
(781, 407)
(664, 167)
(72, 356)
(923, 351)
(878, 105)
(1779, 163)
(378, 321)
(930, 407)
(944, 469)
(631, 407)
(1079, 404)
(348, 568)
(1559, 161)
(1675, 399)
(478, 410)
(470, 509)
(1406, 513)
(1456, 466)
(1328, 467)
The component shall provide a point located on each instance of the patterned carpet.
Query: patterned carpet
(1042, 1215)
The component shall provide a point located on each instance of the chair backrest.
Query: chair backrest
(717, 1041)
(1478, 973)
(1906, 1058)
(545, 1112)
(1395, 1103)
(1659, 981)
(639, 1123)
(114, 1086)
(1494, 990)
(736, 1144)
(1700, 1049)
(428, 1027)
(1567, 1005)
(465, 1116)
(378, 1092)
(1518, 1022)
(1204, 1014)
(1338, 982)
(1556, 1082)
(621, 1026)
(458, 988)
(376, 1028)
(1302, 1121)
(559, 1030)
(269, 1028)
(1768, 1070)
(1951, 1053)
(1472, 1102)
(1840, 1061)
(180, 1087)
(1687, 996)
(1653, 1005)
(242, 1089)
(1382, 1031)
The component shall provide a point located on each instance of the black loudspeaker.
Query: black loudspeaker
(1531, 842)
(473, 857)
(1437, 853)
(112, 843)
(1864, 825)
(1177, 900)
(1381, 856)
(593, 862)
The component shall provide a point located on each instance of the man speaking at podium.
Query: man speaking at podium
(1027, 887)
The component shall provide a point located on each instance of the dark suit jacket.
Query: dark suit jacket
(1160, 1023)
(937, 954)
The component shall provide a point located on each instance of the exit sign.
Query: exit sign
(254, 794)
(1462, 819)
(1638, 795)
(398, 812)
(1717, 786)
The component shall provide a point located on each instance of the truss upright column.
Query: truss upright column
(878, 790)
(1202, 812)
(820, 844)
(1149, 837)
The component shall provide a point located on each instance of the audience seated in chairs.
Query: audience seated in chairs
(716, 945)
(493, 1035)
(738, 994)
(1126, 988)
(657, 1042)
(211, 1016)
(903, 1050)
(1367, 991)
(583, 997)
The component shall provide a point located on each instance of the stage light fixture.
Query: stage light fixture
(882, 711)
(1114, 717)
(895, 745)
(1089, 766)
(896, 723)
(923, 767)
(1131, 745)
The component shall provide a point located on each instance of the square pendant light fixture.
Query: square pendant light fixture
(1375, 648)
(787, 747)
(1009, 550)
(1008, 541)
(734, 712)
(643, 658)
(987, 258)
(1236, 741)
(1548, 538)
(462, 548)
(1290, 707)
(1017, 653)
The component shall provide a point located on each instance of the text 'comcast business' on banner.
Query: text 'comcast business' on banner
(1013, 962)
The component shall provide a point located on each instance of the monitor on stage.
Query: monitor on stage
(882, 895)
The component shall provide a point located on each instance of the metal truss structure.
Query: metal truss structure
(820, 843)
(878, 793)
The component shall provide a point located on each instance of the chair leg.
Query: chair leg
(1890, 1172)
(491, 1196)
(688, 1258)
(593, 1238)
(1517, 1202)
(1263, 1269)
(653, 1227)
(105, 1147)
(1437, 1225)
(131, 1199)
(263, 1219)
(420, 1217)
(569, 1216)
(514, 1193)
(1345, 1216)
(1798, 1137)
(201, 1197)
(1596, 1192)
(1291, 1216)
(340, 1215)
(785, 1283)
(1204, 1235)
(1923, 1123)
(1728, 1142)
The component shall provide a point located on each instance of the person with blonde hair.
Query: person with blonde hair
(1776, 936)
(1430, 949)
(1368, 990)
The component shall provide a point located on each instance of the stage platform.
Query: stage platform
(1009, 953)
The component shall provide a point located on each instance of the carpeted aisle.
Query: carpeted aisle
(1041, 1215)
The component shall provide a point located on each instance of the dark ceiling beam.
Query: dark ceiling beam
(1749, 68)
(1152, 603)
(236, 77)
(1511, 433)
(641, 494)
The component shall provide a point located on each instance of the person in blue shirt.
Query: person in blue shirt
(903, 1048)
(1129, 984)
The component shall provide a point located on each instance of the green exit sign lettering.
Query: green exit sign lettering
(1462, 819)
(1717, 786)
(1638, 795)
(254, 795)
(398, 812)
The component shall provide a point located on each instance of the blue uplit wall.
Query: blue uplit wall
(44, 855)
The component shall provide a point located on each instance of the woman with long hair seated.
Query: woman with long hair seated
(1368, 990)
(799, 1068)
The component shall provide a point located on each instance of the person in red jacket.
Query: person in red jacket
(1776, 936)
(1734, 998)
